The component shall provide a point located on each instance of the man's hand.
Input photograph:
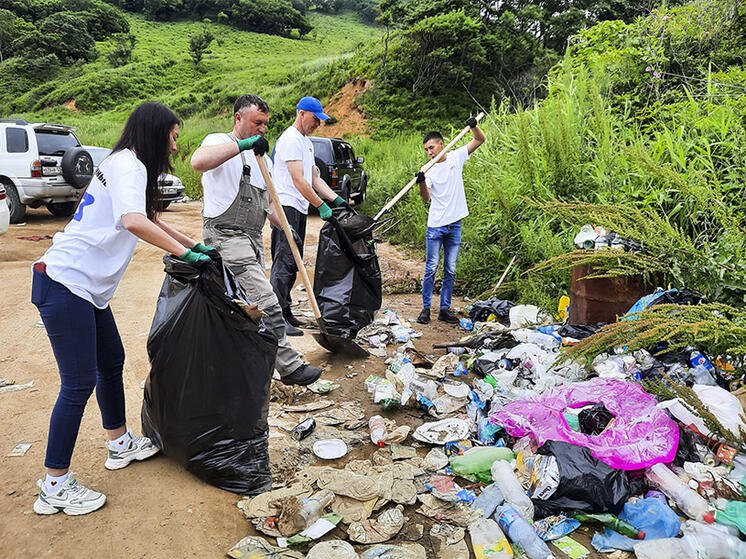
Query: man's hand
(325, 212)
(261, 146)
(201, 249)
(193, 257)
(247, 143)
(339, 201)
(471, 122)
(420, 177)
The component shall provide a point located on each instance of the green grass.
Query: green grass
(280, 70)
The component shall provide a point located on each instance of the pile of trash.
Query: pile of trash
(387, 330)
(598, 238)
(519, 448)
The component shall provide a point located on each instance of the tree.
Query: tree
(124, 44)
(65, 34)
(199, 46)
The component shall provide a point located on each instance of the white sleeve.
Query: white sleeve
(289, 149)
(216, 139)
(462, 154)
(126, 180)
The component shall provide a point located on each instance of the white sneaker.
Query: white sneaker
(72, 498)
(138, 448)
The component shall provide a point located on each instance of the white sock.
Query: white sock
(120, 443)
(52, 484)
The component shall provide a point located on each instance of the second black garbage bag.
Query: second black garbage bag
(207, 396)
(347, 278)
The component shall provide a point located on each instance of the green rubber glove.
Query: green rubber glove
(193, 257)
(338, 201)
(324, 211)
(247, 143)
(202, 249)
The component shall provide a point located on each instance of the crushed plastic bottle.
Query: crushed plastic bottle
(488, 500)
(701, 375)
(521, 533)
(377, 430)
(689, 501)
(479, 460)
(505, 478)
(488, 541)
(312, 509)
(700, 541)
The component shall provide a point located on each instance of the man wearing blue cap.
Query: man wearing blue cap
(298, 183)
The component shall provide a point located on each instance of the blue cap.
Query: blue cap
(313, 105)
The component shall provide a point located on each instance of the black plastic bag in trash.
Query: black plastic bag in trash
(594, 419)
(676, 297)
(207, 396)
(585, 484)
(347, 280)
(579, 331)
(481, 310)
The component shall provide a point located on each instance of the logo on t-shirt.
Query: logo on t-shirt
(87, 200)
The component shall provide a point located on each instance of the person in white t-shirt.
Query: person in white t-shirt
(72, 286)
(298, 183)
(443, 186)
(236, 208)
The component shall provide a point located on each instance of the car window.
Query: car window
(98, 155)
(339, 152)
(52, 142)
(322, 150)
(17, 140)
(349, 152)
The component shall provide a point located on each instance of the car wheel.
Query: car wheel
(61, 209)
(17, 210)
(77, 167)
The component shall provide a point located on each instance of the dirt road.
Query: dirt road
(154, 509)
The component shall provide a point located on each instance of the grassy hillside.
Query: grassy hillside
(280, 70)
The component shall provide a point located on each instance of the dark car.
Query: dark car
(340, 169)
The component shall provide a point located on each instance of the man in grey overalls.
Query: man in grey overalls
(236, 204)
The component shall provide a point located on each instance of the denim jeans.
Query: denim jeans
(89, 354)
(449, 238)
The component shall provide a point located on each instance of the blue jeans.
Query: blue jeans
(89, 354)
(449, 238)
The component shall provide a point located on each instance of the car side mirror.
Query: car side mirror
(360, 160)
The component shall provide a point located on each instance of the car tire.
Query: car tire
(345, 192)
(363, 194)
(166, 204)
(62, 209)
(17, 210)
(77, 167)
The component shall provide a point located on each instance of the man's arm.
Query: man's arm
(207, 158)
(295, 168)
(477, 141)
(424, 190)
(320, 186)
(178, 236)
(272, 216)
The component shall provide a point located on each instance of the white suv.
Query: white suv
(42, 163)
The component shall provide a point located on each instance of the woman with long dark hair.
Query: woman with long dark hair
(72, 286)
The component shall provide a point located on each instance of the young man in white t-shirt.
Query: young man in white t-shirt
(236, 205)
(298, 183)
(443, 186)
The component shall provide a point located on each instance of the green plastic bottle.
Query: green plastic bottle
(489, 379)
(476, 462)
(733, 514)
(611, 521)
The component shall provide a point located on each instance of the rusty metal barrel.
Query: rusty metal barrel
(597, 300)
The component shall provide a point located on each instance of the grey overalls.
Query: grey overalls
(237, 234)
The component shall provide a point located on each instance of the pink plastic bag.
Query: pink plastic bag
(639, 436)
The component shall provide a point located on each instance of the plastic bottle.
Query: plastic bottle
(427, 388)
(693, 546)
(696, 358)
(488, 500)
(733, 513)
(521, 533)
(690, 502)
(611, 521)
(488, 541)
(312, 509)
(377, 430)
(510, 487)
(479, 459)
(701, 375)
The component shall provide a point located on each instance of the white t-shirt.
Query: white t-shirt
(292, 146)
(446, 183)
(220, 185)
(90, 256)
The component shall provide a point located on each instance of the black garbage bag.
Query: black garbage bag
(207, 395)
(594, 419)
(499, 307)
(580, 331)
(585, 484)
(347, 280)
(676, 297)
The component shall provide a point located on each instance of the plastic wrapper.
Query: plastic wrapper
(206, 398)
(642, 434)
(585, 483)
(347, 278)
